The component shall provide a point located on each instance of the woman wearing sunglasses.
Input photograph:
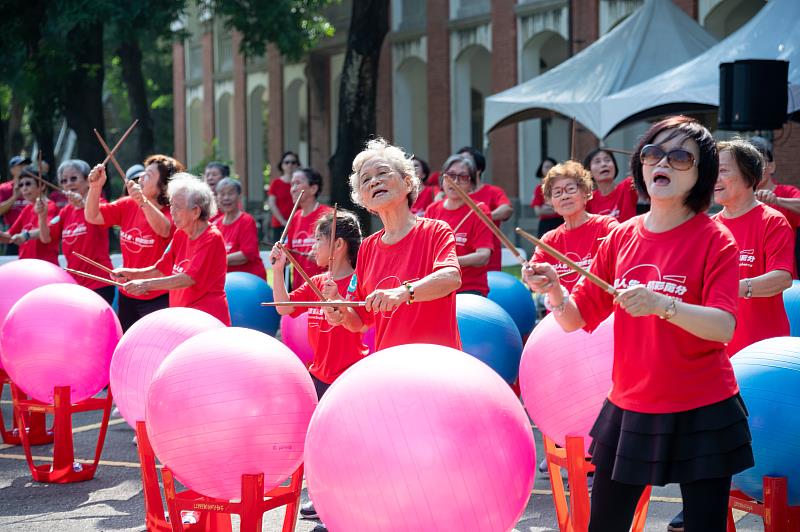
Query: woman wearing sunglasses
(25, 231)
(279, 194)
(474, 241)
(674, 414)
(766, 243)
(609, 199)
(75, 234)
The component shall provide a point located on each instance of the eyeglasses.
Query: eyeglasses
(461, 178)
(556, 193)
(68, 179)
(677, 159)
(291, 161)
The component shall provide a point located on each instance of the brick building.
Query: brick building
(439, 62)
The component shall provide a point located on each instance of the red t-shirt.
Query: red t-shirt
(335, 348)
(659, 367)
(493, 197)
(788, 191)
(472, 235)
(428, 247)
(425, 198)
(766, 243)
(141, 246)
(579, 244)
(538, 201)
(301, 239)
(281, 191)
(28, 220)
(84, 238)
(620, 203)
(242, 235)
(202, 259)
(6, 191)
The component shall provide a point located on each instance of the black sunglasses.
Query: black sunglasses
(677, 159)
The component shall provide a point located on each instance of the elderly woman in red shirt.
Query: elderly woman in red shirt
(407, 272)
(238, 229)
(193, 266)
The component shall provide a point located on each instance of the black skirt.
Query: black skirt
(712, 441)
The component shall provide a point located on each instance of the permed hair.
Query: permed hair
(567, 170)
(397, 159)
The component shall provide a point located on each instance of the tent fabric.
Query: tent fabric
(655, 38)
(774, 33)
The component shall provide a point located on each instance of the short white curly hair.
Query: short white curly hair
(397, 159)
(196, 191)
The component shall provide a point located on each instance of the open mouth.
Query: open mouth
(661, 180)
(718, 189)
(378, 193)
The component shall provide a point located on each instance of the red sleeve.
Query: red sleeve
(303, 293)
(57, 224)
(248, 238)
(202, 262)
(16, 227)
(482, 236)
(500, 197)
(167, 260)
(112, 213)
(721, 273)
(430, 211)
(539, 255)
(594, 303)
(778, 245)
(538, 197)
(444, 245)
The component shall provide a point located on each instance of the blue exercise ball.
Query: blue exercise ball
(509, 292)
(768, 373)
(489, 334)
(245, 293)
(791, 302)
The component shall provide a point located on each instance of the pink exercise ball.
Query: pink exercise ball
(227, 402)
(420, 437)
(19, 277)
(144, 346)
(565, 377)
(294, 333)
(60, 335)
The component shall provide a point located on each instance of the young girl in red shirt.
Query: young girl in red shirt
(674, 413)
(300, 235)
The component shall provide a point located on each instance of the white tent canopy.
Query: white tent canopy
(774, 33)
(656, 37)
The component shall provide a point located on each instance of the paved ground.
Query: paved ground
(113, 500)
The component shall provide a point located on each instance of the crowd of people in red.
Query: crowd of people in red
(695, 288)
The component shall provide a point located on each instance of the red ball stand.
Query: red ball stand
(38, 433)
(573, 516)
(778, 516)
(64, 469)
(215, 513)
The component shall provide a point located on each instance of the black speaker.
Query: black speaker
(753, 94)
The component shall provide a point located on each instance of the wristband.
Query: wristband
(749, 292)
(26, 235)
(410, 290)
(557, 309)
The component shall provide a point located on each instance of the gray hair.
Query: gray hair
(230, 182)
(396, 158)
(466, 161)
(196, 192)
(76, 164)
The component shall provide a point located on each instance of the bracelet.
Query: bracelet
(670, 310)
(410, 290)
(749, 292)
(144, 204)
(26, 235)
(557, 309)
